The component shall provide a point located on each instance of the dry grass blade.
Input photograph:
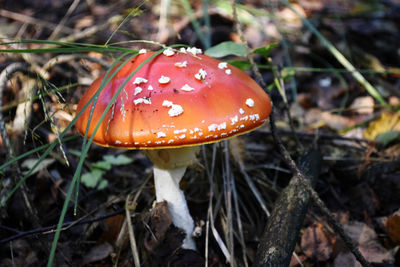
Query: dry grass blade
(129, 206)
(239, 223)
(227, 178)
(217, 237)
(254, 190)
(60, 25)
(210, 213)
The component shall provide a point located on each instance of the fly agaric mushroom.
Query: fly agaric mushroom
(173, 104)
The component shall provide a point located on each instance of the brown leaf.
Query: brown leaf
(114, 225)
(342, 216)
(375, 252)
(317, 118)
(291, 19)
(368, 244)
(162, 238)
(393, 228)
(363, 105)
(316, 243)
(159, 222)
(360, 232)
(84, 22)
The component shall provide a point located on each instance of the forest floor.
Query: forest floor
(354, 122)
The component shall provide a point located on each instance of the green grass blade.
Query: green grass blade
(133, 13)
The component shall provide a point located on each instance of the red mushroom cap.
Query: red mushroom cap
(176, 99)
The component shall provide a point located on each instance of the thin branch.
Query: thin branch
(51, 229)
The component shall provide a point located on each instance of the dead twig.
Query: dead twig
(61, 25)
(51, 229)
(283, 227)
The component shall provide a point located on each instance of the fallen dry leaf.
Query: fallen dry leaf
(317, 118)
(360, 232)
(393, 228)
(363, 105)
(316, 243)
(113, 227)
(162, 238)
(159, 222)
(388, 121)
(291, 19)
(367, 240)
(375, 252)
(84, 22)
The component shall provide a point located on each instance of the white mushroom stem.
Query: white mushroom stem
(166, 183)
(169, 167)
